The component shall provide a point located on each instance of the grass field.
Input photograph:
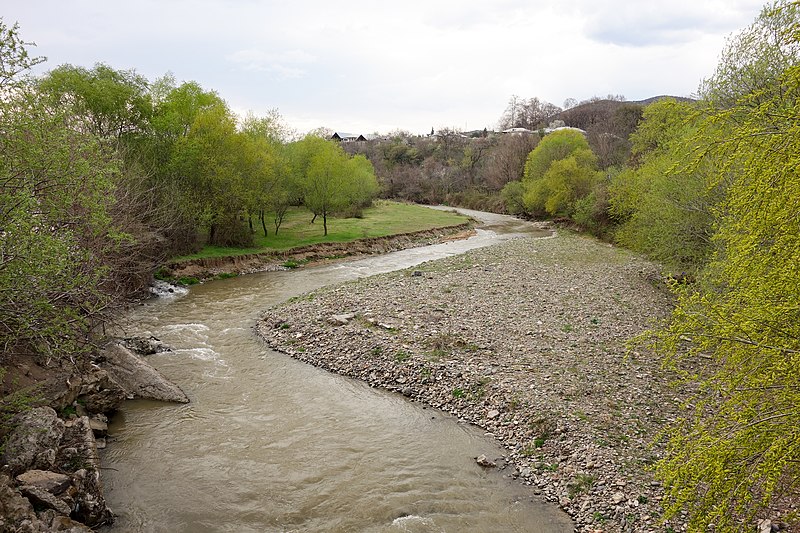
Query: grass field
(385, 218)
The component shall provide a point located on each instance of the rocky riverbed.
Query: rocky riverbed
(526, 339)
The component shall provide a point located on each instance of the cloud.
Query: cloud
(647, 23)
(284, 65)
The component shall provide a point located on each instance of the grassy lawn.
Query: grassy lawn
(385, 218)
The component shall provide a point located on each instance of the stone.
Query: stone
(618, 497)
(14, 508)
(99, 426)
(494, 413)
(52, 482)
(65, 524)
(145, 345)
(485, 461)
(139, 378)
(100, 393)
(41, 498)
(765, 526)
(33, 442)
(90, 505)
(341, 320)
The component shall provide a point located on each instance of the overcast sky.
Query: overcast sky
(371, 66)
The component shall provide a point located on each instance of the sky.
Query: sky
(376, 67)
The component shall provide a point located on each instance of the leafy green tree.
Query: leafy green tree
(664, 206)
(361, 184)
(565, 182)
(738, 452)
(560, 171)
(325, 190)
(56, 191)
(555, 146)
(110, 103)
(15, 61)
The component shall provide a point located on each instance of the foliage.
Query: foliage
(15, 61)
(739, 451)
(554, 147)
(664, 204)
(382, 219)
(559, 172)
(56, 191)
(109, 103)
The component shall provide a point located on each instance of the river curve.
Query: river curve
(271, 444)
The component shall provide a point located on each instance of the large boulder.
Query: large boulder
(138, 377)
(34, 441)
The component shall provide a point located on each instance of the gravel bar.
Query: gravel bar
(527, 340)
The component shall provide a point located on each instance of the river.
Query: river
(270, 444)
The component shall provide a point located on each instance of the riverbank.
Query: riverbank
(525, 339)
(207, 268)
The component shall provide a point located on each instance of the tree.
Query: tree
(15, 61)
(324, 188)
(753, 60)
(109, 103)
(566, 181)
(506, 160)
(664, 206)
(738, 452)
(530, 114)
(56, 190)
(555, 146)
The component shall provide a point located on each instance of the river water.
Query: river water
(270, 444)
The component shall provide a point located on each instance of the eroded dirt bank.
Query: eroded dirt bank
(208, 268)
(525, 339)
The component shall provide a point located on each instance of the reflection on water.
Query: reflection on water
(271, 444)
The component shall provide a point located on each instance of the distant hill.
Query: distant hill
(612, 116)
(661, 97)
(608, 124)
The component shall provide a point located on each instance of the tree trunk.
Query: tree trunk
(325, 223)
(313, 219)
(263, 221)
(250, 222)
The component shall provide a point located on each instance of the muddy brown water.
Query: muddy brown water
(270, 444)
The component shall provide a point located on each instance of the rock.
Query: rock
(33, 442)
(145, 345)
(485, 461)
(416, 274)
(138, 377)
(100, 393)
(81, 457)
(341, 320)
(64, 524)
(618, 497)
(52, 482)
(39, 497)
(14, 508)
(765, 526)
(99, 426)
(494, 413)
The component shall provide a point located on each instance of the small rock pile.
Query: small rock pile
(50, 468)
(526, 339)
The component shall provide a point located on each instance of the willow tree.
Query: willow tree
(738, 453)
